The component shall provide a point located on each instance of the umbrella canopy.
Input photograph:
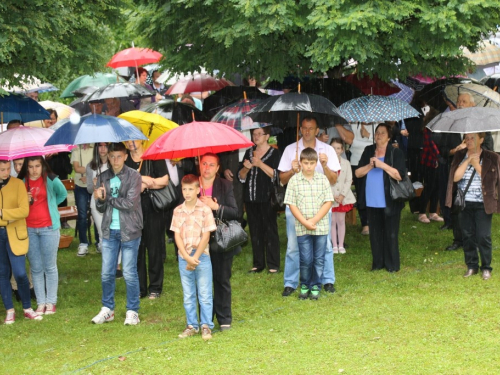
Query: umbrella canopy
(488, 53)
(228, 95)
(492, 81)
(335, 90)
(467, 120)
(180, 113)
(120, 90)
(375, 108)
(63, 110)
(97, 80)
(84, 91)
(31, 84)
(483, 96)
(152, 125)
(196, 139)
(432, 93)
(134, 57)
(20, 107)
(23, 142)
(235, 115)
(198, 83)
(93, 129)
(372, 86)
(406, 93)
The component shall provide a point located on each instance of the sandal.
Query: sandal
(272, 270)
(423, 219)
(335, 250)
(435, 217)
(154, 295)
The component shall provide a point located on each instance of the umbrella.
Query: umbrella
(178, 112)
(234, 115)
(120, 90)
(372, 86)
(418, 82)
(198, 82)
(31, 84)
(467, 120)
(196, 139)
(84, 91)
(376, 108)
(230, 94)
(483, 96)
(24, 141)
(432, 94)
(492, 81)
(20, 107)
(97, 80)
(134, 57)
(406, 93)
(63, 110)
(152, 125)
(93, 129)
(335, 90)
(488, 53)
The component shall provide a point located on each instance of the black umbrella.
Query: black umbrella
(492, 81)
(229, 95)
(85, 90)
(121, 90)
(432, 93)
(180, 113)
(335, 90)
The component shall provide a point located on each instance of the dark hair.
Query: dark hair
(212, 155)
(339, 141)
(387, 127)
(309, 118)
(190, 179)
(52, 111)
(46, 171)
(113, 147)
(4, 161)
(309, 153)
(13, 122)
(246, 81)
(265, 129)
(187, 96)
(96, 161)
(139, 71)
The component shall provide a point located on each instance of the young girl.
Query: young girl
(344, 198)
(45, 192)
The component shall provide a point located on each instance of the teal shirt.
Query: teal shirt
(114, 185)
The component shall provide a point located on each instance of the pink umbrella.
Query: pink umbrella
(198, 83)
(24, 141)
(196, 139)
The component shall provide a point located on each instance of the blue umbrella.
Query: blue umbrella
(377, 108)
(93, 129)
(20, 107)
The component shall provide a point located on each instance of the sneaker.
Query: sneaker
(119, 274)
(83, 249)
(341, 250)
(30, 314)
(40, 310)
(131, 318)
(10, 318)
(288, 290)
(98, 248)
(188, 332)
(304, 292)
(314, 292)
(206, 333)
(329, 288)
(335, 250)
(105, 315)
(50, 309)
(154, 295)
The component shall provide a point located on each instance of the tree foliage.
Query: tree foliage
(55, 39)
(276, 38)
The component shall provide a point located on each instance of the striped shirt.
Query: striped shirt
(309, 196)
(191, 224)
(475, 192)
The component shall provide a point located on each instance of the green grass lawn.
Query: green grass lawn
(426, 319)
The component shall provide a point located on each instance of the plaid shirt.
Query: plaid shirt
(430, 152)
(191, 224)
(308, 196)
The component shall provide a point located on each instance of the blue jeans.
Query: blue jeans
(199, 280)
(312, 259)
(82, 201)
(42, 256)
(18, 265)
(110, 249)
(292, 260)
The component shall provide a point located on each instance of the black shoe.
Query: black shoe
(256, 270)
(445, 227)
(288, 290)
(376, 269)
(453, 246)
(119, 274)
(329, 288)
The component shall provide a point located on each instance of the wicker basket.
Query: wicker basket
(65, 241)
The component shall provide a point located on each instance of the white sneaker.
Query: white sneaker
(83, 249)
(104, 316)
(131, 318)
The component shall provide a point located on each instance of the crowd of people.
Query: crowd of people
(327, 174)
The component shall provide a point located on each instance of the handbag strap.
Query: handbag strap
(470, 181)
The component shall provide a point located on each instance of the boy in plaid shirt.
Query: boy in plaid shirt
(310, 197)
(192, 223)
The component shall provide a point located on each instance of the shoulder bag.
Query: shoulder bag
(163, 199)
(459, 200)
(277, 198)
(229, 234)
(401, 191)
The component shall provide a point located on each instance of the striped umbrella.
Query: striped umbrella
(488, 53)
(377, 108)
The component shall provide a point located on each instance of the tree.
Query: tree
(55, 40)
(276, 38)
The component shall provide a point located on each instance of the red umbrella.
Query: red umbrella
(198, 83)
(134, 57)
(372, 86)
(196, 139)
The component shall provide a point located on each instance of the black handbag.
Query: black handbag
(459, 200)
(401, 191)
(228, 235)
(163, 199)
(277, 198)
